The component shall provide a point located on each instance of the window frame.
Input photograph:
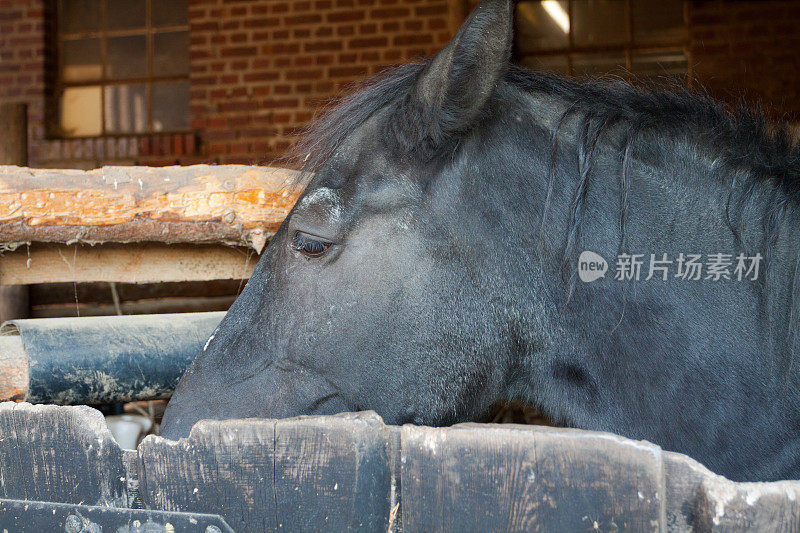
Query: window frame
(149, 32)
(628, 48)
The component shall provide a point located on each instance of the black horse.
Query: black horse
(439, 261)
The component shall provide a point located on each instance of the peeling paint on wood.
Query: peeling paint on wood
(231, 204)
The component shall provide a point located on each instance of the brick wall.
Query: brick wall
(749, 48)
(22, 57)
(260, 69)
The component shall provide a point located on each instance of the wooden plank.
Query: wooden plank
(304, 474)
(13, 365)
(723, 505)
(524, 478)
(333, 473)
(149, 307)
(222, 467)
(133, 263)
(59, 454)
(683, 478)
(231, 204)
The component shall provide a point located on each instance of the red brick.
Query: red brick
(260, 70)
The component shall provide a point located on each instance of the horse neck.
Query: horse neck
(677, 199)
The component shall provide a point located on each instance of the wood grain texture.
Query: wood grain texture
(337, 474)
(230, 204)
(520, 478)
(55, 454)
(13, 365)
(332, 473)
(723, 505)
(131, 263)
(305, 474)
(226, 466)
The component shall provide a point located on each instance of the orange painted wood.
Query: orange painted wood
(230, 204)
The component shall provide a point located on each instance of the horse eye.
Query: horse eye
(309, 246)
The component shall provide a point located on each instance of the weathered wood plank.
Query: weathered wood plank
(133, 263)
(13, 365)
(305, 474)
(332, 473)
(59, 454)
(524, 478)
(723, 505)
(683, 477)
(225, 466)
(335, 474)
(231, 204)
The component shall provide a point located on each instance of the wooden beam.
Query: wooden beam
(131, 263)
(13, 365)
(230, 204)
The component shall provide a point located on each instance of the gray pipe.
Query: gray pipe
(101, 360)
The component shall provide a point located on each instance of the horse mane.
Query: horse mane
(344, 114)
(742, 137)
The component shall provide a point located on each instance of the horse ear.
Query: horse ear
(455, 85)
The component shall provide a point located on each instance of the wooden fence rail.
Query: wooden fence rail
(351, 472)
(153, 224)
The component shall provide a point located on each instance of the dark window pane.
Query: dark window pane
(81, 112)
(541, 26)
(126, 14)
(170, 12)
(599, 22)
(80, 16)
(127, 57)
(598, 64)
(81, 60)
(556, 64)
(661, 63)
(656, 21)
(171, 53)
(171, 106)
(126, 108)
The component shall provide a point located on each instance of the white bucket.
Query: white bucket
(127, 429)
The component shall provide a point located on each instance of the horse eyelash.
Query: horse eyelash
(301, 243)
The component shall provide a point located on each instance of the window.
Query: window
(592, 37)
(123, 67)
